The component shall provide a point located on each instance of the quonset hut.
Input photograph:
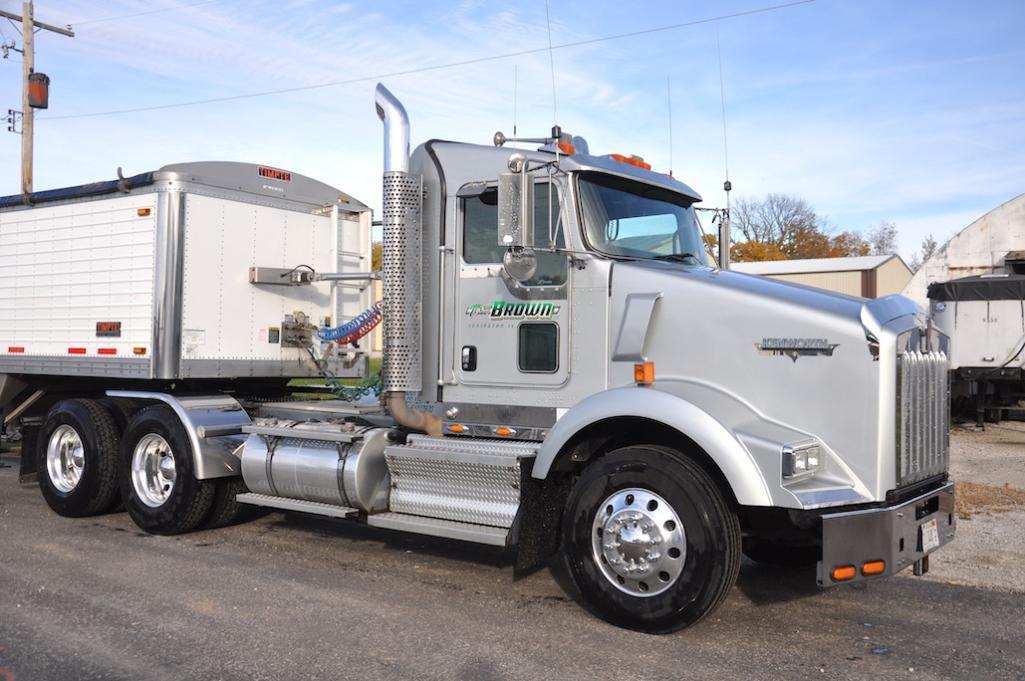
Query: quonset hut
(993, 244)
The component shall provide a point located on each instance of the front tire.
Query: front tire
(649, 540)
(158, 482)
(77, 459)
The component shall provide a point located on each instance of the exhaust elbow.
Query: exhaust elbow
(396, 130)
(412, 418)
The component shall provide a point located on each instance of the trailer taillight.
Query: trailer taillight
(143, 212)
(138, 351)
(15, 349)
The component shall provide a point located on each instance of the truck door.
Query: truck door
(505, 332)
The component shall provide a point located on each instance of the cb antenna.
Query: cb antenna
(724, 220)
(551, 63)
(669, 103)
(516, 86)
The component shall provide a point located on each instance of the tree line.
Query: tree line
(786, 227)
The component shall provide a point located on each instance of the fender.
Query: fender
(212, 457)
(733, 459)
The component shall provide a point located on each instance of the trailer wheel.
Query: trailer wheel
(781, 555)
(77, 459)
(649, 539)
(158, 484)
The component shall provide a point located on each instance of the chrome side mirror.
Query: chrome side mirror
(516, 219)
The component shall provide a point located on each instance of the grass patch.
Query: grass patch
(375, 368)
(971, 497)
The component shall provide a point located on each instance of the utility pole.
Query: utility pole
(28, 30)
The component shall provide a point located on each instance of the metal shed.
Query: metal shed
(868, 276)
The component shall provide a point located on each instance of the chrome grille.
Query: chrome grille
(923, 418)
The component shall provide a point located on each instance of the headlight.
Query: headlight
(800, 461)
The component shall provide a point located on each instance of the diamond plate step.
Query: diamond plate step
(464, 480)
(284, 504)
(436, 527)
(464, 450)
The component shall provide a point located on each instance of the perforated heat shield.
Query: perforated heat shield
(401, 263)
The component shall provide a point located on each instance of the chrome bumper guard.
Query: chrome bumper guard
(898, 536)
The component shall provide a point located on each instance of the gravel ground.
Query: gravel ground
(292, 596)
(990, 546)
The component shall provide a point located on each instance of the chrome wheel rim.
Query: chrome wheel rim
(65, 458)
(639, 543)
(153, 470)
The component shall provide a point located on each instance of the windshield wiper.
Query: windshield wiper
(679, 257)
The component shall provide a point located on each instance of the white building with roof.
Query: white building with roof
(868, 276)
(993, 244)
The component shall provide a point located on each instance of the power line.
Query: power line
(438, 67)
(141, 14)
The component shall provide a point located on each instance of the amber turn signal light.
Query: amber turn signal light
(873, 567)
(844, 573)
(644, 373)
(143, 212)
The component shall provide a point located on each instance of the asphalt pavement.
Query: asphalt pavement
(289, 596)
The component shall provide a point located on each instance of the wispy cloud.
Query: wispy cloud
(916, 120)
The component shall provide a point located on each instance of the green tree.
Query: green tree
(376, 250)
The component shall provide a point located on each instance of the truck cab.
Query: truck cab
(567, 373)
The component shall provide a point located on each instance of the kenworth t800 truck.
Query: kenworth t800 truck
(564, 374)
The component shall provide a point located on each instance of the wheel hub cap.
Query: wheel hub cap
(153, 470)
(639, 542)
(65, 458)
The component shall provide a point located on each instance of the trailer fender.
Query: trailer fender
(719, 443)
(212, 457)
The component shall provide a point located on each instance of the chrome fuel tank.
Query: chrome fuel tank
(350, 474)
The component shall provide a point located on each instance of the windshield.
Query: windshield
(636, 220)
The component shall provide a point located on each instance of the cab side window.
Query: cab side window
(480, 229)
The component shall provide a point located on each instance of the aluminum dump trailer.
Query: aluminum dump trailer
(181, 273)
(984, 315)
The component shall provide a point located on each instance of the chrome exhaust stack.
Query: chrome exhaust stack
(401, 207)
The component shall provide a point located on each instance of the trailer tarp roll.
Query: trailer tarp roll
(980, 287)
(79, 191)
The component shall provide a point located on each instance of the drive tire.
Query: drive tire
(96, 489)
(226, 509)
(174, 508)
(711, 538)
(118, 410)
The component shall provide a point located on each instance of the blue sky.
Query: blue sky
(910, 112)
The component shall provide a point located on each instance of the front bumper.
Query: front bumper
(896, 535)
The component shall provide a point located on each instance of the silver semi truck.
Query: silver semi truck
(564, 372)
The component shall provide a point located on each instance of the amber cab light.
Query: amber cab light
(644, 373)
